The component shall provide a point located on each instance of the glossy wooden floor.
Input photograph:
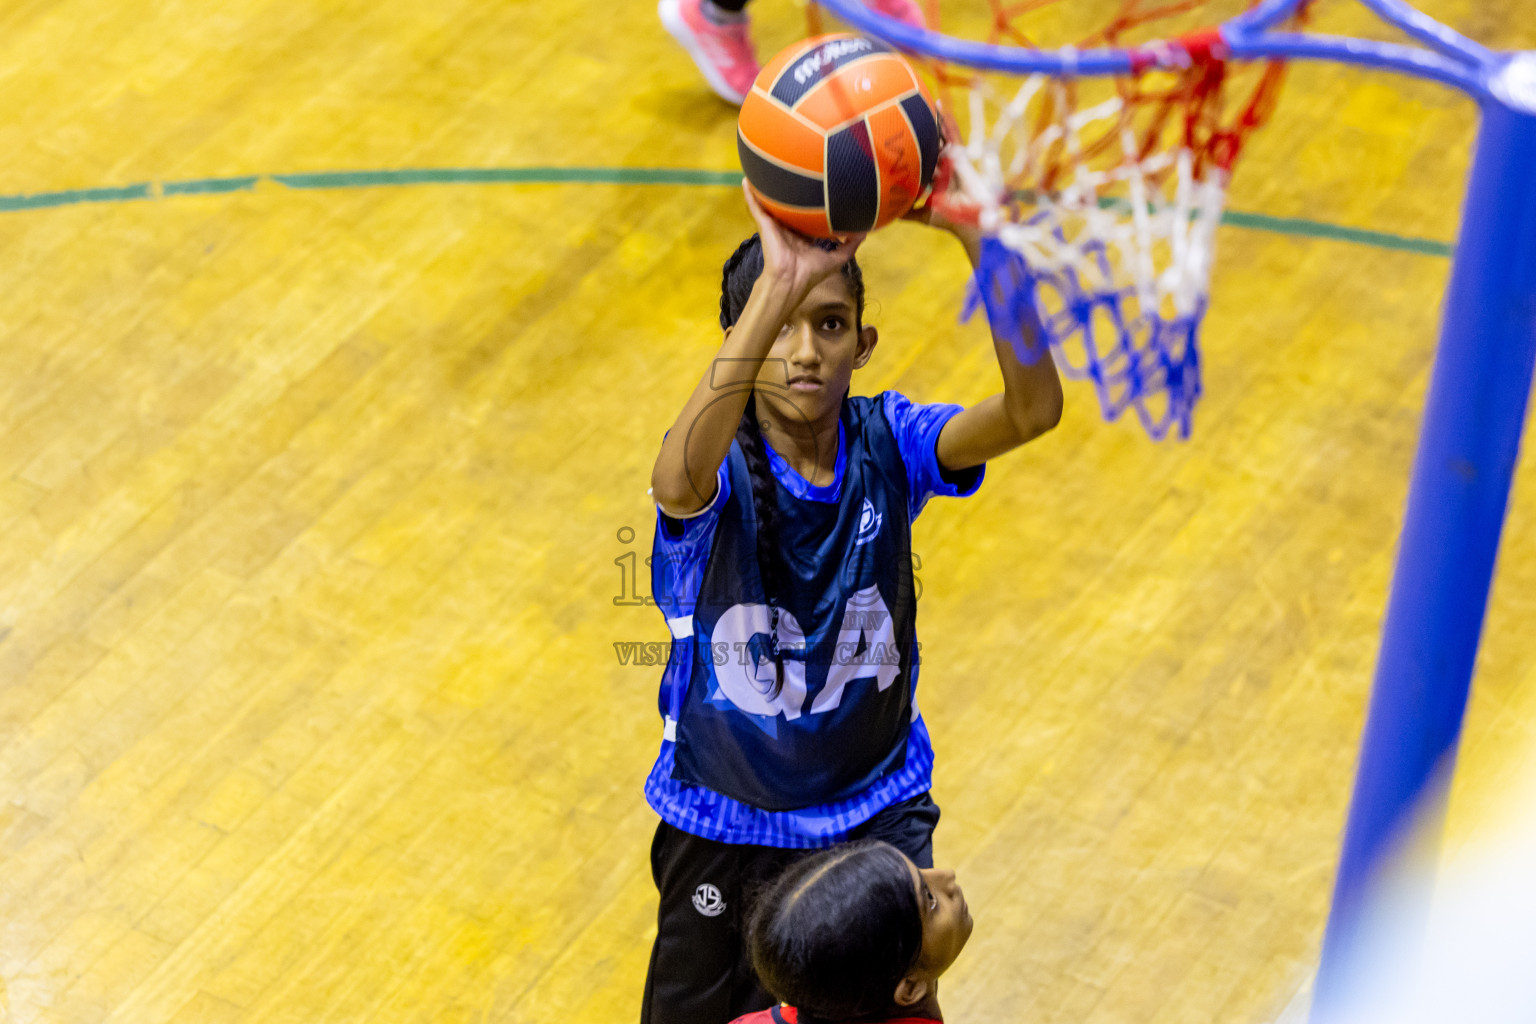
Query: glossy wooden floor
(315, 506)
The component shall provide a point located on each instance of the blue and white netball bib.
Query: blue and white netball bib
(846, 634)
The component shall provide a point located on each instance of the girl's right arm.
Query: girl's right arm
(683, 479)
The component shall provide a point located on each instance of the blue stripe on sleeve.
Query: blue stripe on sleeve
(679, 554)
(917, 429)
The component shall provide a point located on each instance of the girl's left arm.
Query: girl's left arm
(1029, 405)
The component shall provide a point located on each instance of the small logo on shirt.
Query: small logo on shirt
(707, 901)
(869, 523)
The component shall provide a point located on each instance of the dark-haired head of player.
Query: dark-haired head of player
(802, 382)
(810, 365)
(858, 933)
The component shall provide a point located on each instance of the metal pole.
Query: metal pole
(1468, 448)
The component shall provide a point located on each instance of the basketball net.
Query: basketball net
(1100, 200)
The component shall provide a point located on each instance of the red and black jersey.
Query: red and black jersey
(788, 1015)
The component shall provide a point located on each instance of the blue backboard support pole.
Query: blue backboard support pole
(1468, 448)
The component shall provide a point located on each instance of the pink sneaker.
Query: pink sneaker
(723, 52)
(908, 11)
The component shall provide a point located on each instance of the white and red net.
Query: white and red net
(1100, 196)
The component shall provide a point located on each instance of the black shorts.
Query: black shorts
(699, 972)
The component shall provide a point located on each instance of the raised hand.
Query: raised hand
(793, 258)
(952, 212)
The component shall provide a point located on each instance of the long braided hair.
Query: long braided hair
(741, 272)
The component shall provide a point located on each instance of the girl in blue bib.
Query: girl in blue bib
(783, 565)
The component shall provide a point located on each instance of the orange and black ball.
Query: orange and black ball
(838, 135)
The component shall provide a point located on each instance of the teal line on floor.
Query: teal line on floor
(39, 200)
(1335, 232)
(512, 176)
(676, 176)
